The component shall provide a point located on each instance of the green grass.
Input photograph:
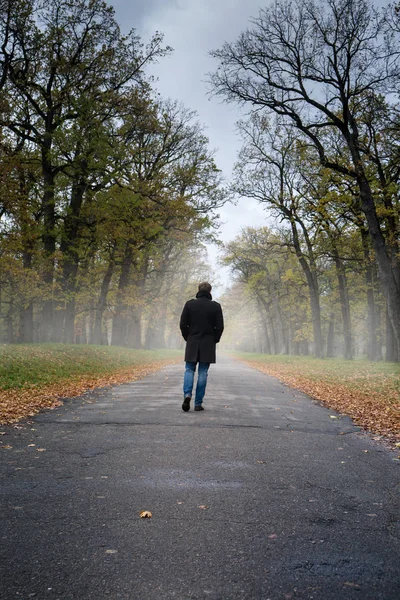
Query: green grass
(364, 375)
(29, 365)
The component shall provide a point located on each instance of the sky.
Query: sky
(193, 28)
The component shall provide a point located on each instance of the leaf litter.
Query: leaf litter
(375, 410)
(17, 404)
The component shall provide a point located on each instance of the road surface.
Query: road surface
(262, 496)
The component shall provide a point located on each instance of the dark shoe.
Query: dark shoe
(186, 404)
(199, 407)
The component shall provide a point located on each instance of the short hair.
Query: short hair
(205, 287)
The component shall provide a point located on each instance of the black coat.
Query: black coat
(201, 325)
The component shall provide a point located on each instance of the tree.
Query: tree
(64, 62)
(268, 171)
(318, 65)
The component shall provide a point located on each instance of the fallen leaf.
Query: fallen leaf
(146, 514)
(272, 536)
(203, 506)
(111, 551)
(31, 445)
(41, 449)
(7, 447)
(332, 417)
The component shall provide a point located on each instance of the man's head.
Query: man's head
(205, 287)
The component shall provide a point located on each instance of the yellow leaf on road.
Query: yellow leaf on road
(146, 514)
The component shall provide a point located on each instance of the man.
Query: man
(201, 325)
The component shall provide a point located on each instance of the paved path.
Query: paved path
(298, 505)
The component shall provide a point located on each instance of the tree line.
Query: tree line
(320, 150)
(107, 191)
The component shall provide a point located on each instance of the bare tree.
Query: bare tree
(318, 65)
(267, 170)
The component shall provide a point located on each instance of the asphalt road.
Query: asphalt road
(261, 496)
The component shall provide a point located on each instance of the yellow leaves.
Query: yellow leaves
(111, 551)
(145, 514)
(7, 447)
(203, 507)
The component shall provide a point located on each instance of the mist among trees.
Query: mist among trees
(321, 151)
(107, 191)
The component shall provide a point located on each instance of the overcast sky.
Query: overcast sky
(193, 28)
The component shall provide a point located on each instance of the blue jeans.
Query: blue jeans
(188, 381)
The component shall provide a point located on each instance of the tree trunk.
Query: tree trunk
(69, 251)
(90, 329)
(10, 327)
(330, 346)
(102, 300)
(69, 323)
(26, 324)
(387, 273)
(391, 349)
(119, 333)
(49, 239)
(135, 333)
(26, 313)
(266, 339)
(372, 352)
(273, 339)
(344, 305)
(313, 289)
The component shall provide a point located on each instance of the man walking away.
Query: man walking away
(201, 325)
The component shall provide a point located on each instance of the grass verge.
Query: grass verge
(368, 392)
(37, 376)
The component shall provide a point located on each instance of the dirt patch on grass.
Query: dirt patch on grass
(375, 412)
(17, 404)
